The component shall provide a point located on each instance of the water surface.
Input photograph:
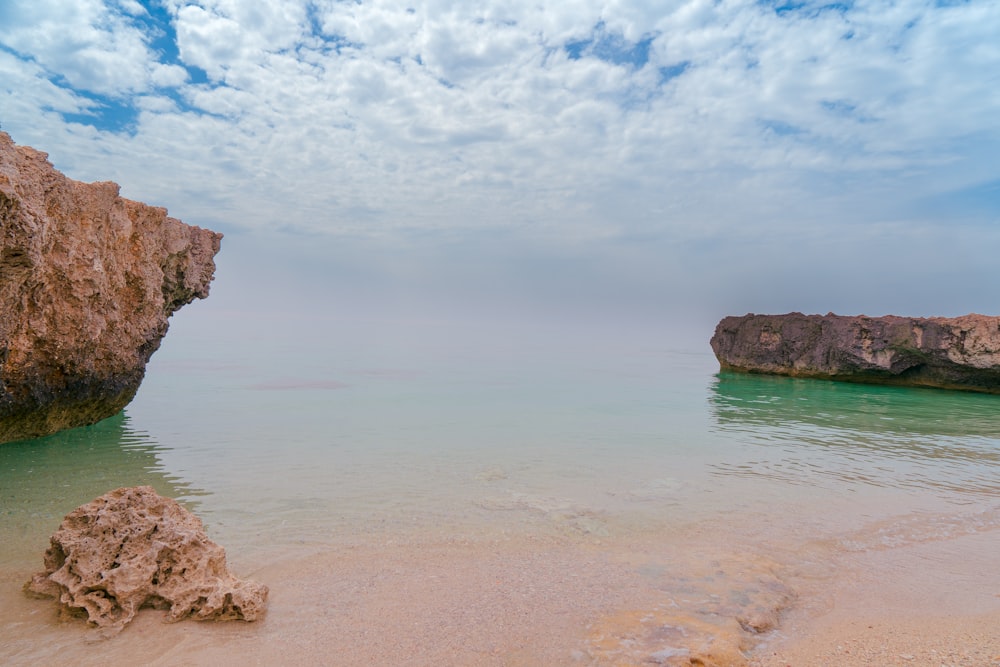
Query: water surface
(636, 465)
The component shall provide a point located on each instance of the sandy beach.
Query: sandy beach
(931, 604)
(523, 601)
(692, 599)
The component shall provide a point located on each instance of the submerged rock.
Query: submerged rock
(949, 353)
(132, 548)
(87, 282)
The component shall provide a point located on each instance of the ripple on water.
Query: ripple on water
(847, 436)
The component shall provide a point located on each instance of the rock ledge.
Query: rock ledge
(949, 353)
(87, 282)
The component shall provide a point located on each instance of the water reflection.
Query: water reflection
(804, 431)
(43, 479)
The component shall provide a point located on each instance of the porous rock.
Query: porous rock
(949, 353)
(87, 282)
(132, 548)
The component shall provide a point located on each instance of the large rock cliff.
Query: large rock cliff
(87, 282)
(950, 353)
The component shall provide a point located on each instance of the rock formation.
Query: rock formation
(950, 353)
(87, 282)
(132, 548)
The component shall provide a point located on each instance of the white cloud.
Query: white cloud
(132, 7)
(209, 41)
(27, 91)
(375, 116)
(88, 44)
(167, 76)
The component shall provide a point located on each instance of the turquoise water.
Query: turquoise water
(852, 436)
(353, 436)
(324, 445)
(314, 445)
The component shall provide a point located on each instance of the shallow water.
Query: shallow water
(662, 502)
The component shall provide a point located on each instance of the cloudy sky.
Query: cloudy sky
(668, 159)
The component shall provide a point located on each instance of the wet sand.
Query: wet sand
(718, 594)
(934, 604)
(566, 597)
(534, 602)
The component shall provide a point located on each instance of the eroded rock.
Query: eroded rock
(949, 353)
(87, 282)
(132, 548)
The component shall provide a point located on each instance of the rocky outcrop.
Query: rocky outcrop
(87, 282)
(132, 548)
(950, 353)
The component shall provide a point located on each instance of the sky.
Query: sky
(656, 164)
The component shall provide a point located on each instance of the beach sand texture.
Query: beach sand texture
(522, 600)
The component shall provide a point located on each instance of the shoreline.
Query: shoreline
(527, 600)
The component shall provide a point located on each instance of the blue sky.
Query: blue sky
(691, 158)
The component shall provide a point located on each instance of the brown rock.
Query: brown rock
(132, 548)
(949, 353)
(87, 282)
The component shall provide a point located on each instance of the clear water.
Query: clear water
(321, 435)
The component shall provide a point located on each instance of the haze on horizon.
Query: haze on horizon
(642, 162)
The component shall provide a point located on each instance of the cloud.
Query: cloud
(89, 45)
(686, 128)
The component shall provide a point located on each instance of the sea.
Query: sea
(422, 491)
